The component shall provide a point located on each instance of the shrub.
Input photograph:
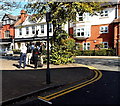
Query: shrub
(16, 51)
(63, 50)
(102, 52)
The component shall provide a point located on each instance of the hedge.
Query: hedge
(102, 52)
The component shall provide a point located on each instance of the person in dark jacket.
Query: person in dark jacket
(29, 53)
(35, 55)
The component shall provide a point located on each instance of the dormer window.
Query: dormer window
(80, 16)
(104, 13)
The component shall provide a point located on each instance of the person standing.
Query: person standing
(23, 56)
(40, 53)
(29, 54)
(35, 55)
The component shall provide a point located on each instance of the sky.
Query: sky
(15, 11)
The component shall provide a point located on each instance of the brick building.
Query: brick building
(88, 31)
(7, 29)
(102, 29)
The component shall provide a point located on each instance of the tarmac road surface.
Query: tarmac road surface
(104, 91)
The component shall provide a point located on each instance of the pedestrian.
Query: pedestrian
(29, 53)
(40, 53)
(23, 49)
(35, 55)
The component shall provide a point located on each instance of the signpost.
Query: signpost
(48, 19)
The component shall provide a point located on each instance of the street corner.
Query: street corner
(73, 87)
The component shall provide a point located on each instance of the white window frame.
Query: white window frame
(33, 30)
(42, 28)
(104, 29)
(105, 45)
(50, 27)
(27, 30)
(86, 46)
(104, 13)
(7, 34)
(80, 17)
(20, 31)
(77, 46)
(83, 32)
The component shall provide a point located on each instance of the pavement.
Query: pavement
(17, 83)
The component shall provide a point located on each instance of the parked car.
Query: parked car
(6, 52)
(9, 52)
(2, 52)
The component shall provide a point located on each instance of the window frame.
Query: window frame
(104, 14)
(50, 27)
(104, 29)
(105, 45)
(42, 28)
(33, 30)
(20, 31)
(27, 30)
(86, 46)
(7, 34)
(80, 17)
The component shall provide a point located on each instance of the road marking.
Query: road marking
(72, 86)
(97, 76)
(43, 99)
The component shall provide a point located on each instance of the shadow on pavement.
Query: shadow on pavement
(21, 82)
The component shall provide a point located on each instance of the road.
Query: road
(101, 63)
(104, 91)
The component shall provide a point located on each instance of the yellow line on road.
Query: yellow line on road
(97, 76)
(75, 88)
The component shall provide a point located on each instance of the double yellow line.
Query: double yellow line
(97, 76)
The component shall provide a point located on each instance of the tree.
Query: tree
(8, 6)
(63, 50)
(62, 12)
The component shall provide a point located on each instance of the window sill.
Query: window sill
(103, 17)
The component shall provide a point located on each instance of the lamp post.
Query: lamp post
(48, 19)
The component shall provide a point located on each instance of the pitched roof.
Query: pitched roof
(10, 17)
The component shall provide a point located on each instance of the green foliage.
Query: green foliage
(16, 51)
(63, 50)
(99, 46)
(102, 52)
(63, 11)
